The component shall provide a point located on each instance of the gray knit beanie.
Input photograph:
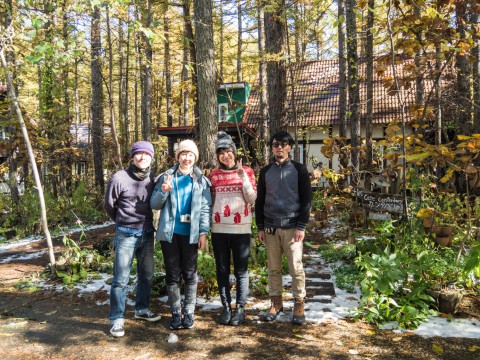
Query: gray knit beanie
(224, 141)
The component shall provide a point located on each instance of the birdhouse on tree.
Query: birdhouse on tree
(232, 99)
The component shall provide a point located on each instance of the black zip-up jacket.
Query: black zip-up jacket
(284, 196)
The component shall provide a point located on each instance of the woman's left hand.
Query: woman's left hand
(202, 241)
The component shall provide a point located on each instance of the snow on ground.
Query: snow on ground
(340, 307)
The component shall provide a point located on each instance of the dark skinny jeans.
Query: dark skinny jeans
(238, 245)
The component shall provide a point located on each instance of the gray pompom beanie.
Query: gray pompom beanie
(224, 141)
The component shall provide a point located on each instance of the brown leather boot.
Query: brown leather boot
(299, 311)
(275, 308)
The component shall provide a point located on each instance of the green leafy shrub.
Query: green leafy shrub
(208, 273)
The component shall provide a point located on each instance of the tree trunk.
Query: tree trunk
(353, 91)
(263, 145)
(342, 74)
(168, 76)
(438, 97)
(126, 117)
(464, 116)
(97, 100)
(207, 77)
(122, 89)
(193, 55)
(475, 53)
(11, 59)
(221, 40)
(147, 20)
(239, 40)
(118, 150)
(275, 43)
(368, 120)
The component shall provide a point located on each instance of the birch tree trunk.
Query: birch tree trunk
(31, 156)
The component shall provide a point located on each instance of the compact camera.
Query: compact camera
(185, 218)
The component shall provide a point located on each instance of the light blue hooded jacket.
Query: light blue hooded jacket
(167, 203)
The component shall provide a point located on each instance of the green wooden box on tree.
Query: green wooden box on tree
(232, 100)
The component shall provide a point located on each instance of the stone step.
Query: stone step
(320, 276)
(321, 301)
(320, 287)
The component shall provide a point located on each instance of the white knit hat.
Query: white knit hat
(186, 145)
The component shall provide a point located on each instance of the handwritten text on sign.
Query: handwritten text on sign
(380, 202)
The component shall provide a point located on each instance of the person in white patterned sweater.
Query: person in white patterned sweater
(233, 192)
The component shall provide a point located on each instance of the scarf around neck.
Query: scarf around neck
(139, 173)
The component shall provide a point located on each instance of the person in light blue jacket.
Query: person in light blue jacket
(182, 193)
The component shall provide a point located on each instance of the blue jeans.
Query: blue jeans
(130, 243)
(238, 246)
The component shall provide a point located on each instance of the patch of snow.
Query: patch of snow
(34, 238)
(23, 257)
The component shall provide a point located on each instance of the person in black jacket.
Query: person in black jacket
(282, 211)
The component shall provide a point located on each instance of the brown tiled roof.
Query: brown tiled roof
(317, 94)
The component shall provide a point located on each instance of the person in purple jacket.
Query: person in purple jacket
(127, 202)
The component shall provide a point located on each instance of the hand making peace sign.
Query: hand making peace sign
(240, 170)
(167, 185)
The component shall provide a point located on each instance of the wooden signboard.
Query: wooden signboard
(380, 202)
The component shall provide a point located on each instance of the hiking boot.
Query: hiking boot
(226, 315)
(275, 308)
(187, 322)
(238, 317)
(176, 322)
(148, 316)
(117, 330)
(299, 311)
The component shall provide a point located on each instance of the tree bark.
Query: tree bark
(118, 150)
(342, 74)
(475, 52)
(147, 20)
(353, 91)
(263, 145)
(275, 48)
(464, 117)
(207, 77)
(239, 40)
(168, 76)
(368, 121)
(97, 100)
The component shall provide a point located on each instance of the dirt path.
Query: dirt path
(50, 325)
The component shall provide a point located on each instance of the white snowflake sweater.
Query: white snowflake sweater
(233, 196)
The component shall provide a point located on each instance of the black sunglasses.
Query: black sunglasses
(277, 144)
